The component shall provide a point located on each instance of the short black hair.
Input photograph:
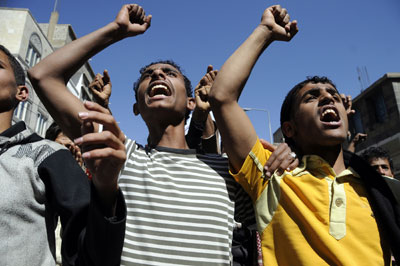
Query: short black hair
(188, 84)
(19, 73)
(53, 131)
(377, 152)
(288, 105)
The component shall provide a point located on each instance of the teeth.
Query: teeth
(328, 111)
(159, 87)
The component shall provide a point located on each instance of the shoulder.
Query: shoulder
(132, 146)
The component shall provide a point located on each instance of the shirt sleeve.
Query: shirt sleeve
(87, 236)
(251, 174)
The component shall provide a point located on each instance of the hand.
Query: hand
(203, 89)
(201, 92)
(101, 88)
(104, 152)
(76, 153)
(348, 104)
(359, 137)
(132, 20)
(280, 160)
(276, 20)
(70, 145)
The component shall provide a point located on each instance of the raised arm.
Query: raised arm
(50, 76)
(238, 134)
(201, 134)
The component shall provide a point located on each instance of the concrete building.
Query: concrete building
(278, 136)
(29, 42)
(378, 115)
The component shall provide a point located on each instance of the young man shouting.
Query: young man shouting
(320, 213)
(41, 181)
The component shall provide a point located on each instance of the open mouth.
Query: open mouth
(159, 89)
(330, 115)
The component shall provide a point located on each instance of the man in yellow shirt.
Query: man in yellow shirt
(319, 213)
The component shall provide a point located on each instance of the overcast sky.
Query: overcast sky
(335, 37)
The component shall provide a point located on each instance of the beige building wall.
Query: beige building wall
(27, 41)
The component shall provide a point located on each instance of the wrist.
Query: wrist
(107, 195)
(264, 33)
(200, 115)
(116, 31)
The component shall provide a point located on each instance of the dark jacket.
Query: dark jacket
(39, 181)
(383, 201)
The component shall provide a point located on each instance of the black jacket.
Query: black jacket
(383, 196)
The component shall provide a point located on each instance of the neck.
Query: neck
(332, 154)
(5, 120)
(170, 136)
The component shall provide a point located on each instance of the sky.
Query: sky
(334, 38)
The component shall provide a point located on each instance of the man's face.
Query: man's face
(382, 166)
(63, 140)
(161, 88)
(320, 119)
(8, 84)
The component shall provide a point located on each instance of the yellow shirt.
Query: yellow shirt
(311, 216)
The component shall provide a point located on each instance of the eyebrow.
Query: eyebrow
(314, 91)
(164, 69)
(170, 69)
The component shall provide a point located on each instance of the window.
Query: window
(22, 110)
(34, 51)
(32, 56)
(84, 88)
(41, 124)
(377, 108)
(380, 108)
(357, 122)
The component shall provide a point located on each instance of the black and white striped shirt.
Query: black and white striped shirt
(182, 207)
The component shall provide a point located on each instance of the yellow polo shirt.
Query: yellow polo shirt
(311, 216)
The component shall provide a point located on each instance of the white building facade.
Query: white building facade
(30, 42)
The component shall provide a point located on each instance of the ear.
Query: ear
(136, 109)
(288, 129)
(22, 93)
(191, 103)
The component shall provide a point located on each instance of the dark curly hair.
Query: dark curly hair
(53, 131)
(288, 106)
(19, 73)
(188, 84)
(376, 152)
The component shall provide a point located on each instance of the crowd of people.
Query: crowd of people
(188, 199)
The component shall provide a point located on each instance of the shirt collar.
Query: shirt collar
(318, 167)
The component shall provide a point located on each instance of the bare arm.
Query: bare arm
(238, 134)
(51, 74)
(201, 113)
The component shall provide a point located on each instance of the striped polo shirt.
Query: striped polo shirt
(312, 216)
(182, 207)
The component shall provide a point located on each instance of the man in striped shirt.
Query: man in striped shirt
(182, 206)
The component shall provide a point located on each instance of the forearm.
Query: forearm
(237, 132)
(104, 235)
(50, 76)
(107, 196)
(203, 117)
(236, 70)
(351, 147)
(64, 62)
(209, 127)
